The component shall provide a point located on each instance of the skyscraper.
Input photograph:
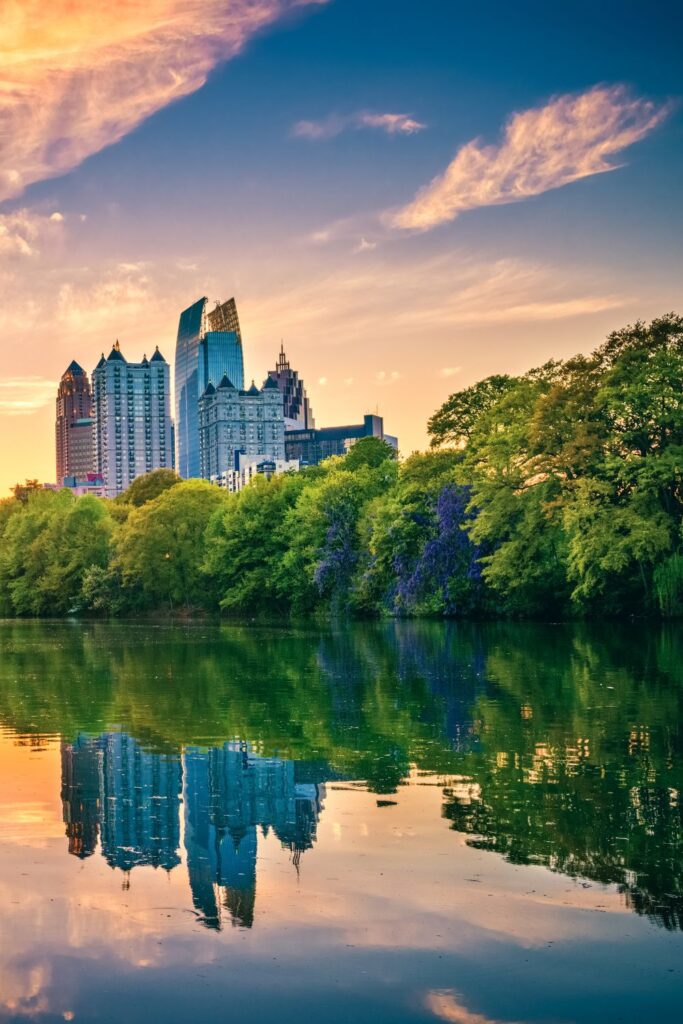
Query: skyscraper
(209, 346)
(74, 424)
(234, 422)
(133, 430)
(297, 408)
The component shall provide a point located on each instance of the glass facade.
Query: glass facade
(221, 355)
(202, 355)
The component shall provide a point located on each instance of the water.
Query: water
(386, 823)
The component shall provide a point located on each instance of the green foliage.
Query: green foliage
(245, 545)
(576, 475)
(454, 422)
(368, 451)
(160, 548)
(668, 586)
(148, 487)
(47, 547)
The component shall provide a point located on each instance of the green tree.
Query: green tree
(148, 487)
(47, 549)
(245, 544)
(160, 549)
(454, 422)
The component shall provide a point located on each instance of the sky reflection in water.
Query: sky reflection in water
(354, 824)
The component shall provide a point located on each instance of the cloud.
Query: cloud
(365, 246)
(21, 396)
(322, 381)
(449, 291)
(77, 76)
(106, 304)
(572, 137)
(449, 371)
(446, 1005)
(384, 377)
(21, 232)
(334, 124)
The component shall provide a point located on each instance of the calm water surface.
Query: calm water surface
(401, 823)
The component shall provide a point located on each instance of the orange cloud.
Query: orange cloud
(572, 137)
(77, 76)
(447, 1006)
(21, 231)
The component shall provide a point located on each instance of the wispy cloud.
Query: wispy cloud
(447, 1005)
(451, 290)
(21, 232)
(77, 76)
(21, 396)
(571, 137)
(334, 124)
(449, 371)
(106, 303)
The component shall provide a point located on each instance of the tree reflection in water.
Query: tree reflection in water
(558, 745)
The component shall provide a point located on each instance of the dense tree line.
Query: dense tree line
(559, 492)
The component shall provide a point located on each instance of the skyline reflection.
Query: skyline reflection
(131, 803)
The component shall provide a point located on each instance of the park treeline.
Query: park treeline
(555, 493)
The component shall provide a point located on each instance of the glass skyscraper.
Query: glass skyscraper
(209, 347)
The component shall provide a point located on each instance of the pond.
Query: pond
(401, 822)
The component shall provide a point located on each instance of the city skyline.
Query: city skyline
(407, 206)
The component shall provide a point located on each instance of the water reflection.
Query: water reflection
(132, 800)
(560, 747)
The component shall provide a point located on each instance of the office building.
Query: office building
(74, 424)
(133, 430)
(312, 446)
(230, 794)
(208, 347)
(297, 408)
(233, 422)
(140, 800)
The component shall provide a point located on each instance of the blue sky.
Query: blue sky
(126, 197)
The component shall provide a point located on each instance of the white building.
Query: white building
(234, 423)
(133, 432)
(248, 469)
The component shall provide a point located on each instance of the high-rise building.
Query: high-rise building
(74, 424)
(312, 446)
(140, 799)
(133, 430)
(297, 408)
(229, 793)
(209, 346)
(234, 422)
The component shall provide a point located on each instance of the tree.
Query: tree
(322, 541)
(454, 422)
(368, 451)
(244, 544)
(148, 487)
(160, 549)
(23, 491)
(48, 547)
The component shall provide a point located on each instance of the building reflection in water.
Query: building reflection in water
(132, 799)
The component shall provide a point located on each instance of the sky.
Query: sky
(409, 196)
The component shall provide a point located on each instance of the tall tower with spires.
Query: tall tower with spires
(74, 424)
(297, 407)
